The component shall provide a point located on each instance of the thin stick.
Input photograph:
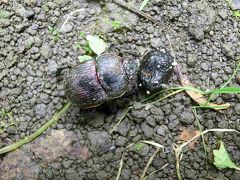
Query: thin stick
(148, 163)
(33, 136)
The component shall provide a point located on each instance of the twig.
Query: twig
(33, 136)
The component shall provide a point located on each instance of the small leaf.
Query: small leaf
(188, 134)
(84, 58)
(144, 3)
(222, 159)
(96, 44)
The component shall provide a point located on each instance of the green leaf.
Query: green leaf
(226, 90)
(84, 58)
(96, 44)
(222, 159)
(144, 3)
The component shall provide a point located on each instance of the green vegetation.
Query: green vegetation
(116, 25)
(144, 3)
(222, 159)
(55, 33)
(139, 146)
(6, 120)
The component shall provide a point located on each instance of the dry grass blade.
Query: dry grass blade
(148, 163)
(197, 97)
(159, 146)
(120, 120)
(164, 166)
(153, 144)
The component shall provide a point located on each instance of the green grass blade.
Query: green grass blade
(226, 90)
(144, 3)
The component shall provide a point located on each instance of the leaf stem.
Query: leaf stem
(33, 136)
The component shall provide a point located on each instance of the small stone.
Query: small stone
(52, 67)
(124, 127)
(121, 141)
(191, 60)
(46, 51)
(186, 117)
(227, 50)
(67, 28)
(237, 108)
(156, 42)
(161, 130)
(204, 66)
(101, 175)
(147, 130)
(223, 14)
(22, 11)
(41, 110)
(71, 174)
(98, 138)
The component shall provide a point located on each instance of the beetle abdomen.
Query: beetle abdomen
(82, 85)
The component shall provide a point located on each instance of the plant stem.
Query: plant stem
(33, 136)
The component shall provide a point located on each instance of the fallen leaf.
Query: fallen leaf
(197, 97)
(188, 134)
(222, 159)
(96, 44)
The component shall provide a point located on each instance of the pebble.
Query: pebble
(205, 66)
(41, 110)
(46, 51)
(147, 130)
(186, 117)
(161, 130)
(67, 28)
(237, 108)
(52, 67)
(191, 60)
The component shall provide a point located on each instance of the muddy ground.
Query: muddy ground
(205, 38)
